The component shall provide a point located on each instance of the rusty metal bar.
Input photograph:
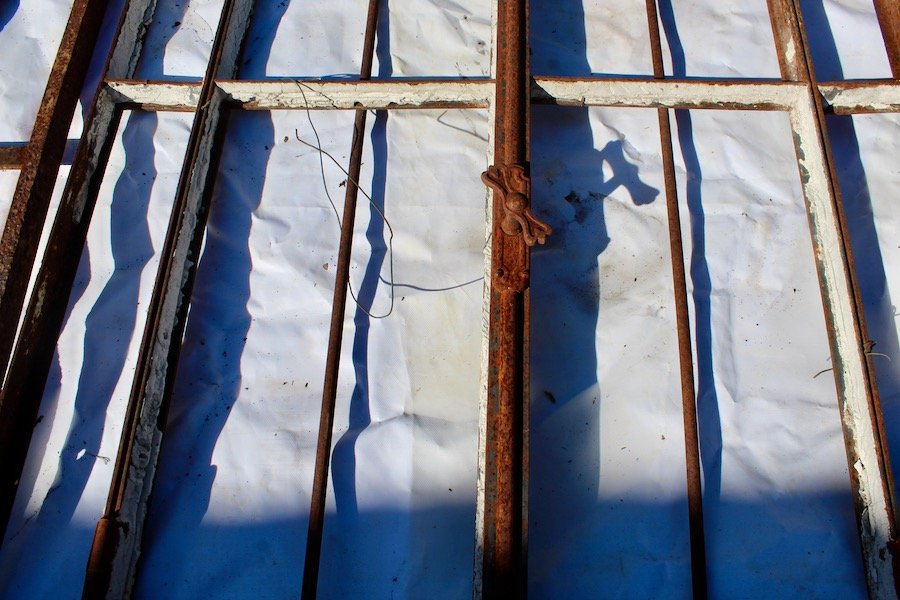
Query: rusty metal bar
(683, 325)
(888, 12)
(865, 439)
(23, 386)
(117, 541)
(21, 396)
(336, 328)
(514, 229)
(12, 156)
(40, 164)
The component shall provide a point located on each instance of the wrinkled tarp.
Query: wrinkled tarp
(607, 502)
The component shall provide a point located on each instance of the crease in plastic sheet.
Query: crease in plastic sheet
(607, 503)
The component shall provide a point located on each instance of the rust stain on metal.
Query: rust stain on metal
(40, 164)
(316, 527)
(512, 187)
(12, 156)
(505, 519)
(888, 12)
(696, 526)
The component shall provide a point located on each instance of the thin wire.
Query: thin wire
(390, 242)
(322, 152)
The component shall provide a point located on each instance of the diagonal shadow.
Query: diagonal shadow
(109, 323)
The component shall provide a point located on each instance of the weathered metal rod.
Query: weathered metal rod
(40, 164)
(683, 326)
(112, 564)
(888, 12)
(336, 328)
(26, 377)
(514, 229)
(20, 397)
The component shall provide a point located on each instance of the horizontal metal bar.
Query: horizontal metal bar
(841, 97)
(463, 93)
(315, 95)
(649, 93)
(846, 97)
(393, 94)
(862, 96)
(12, 156)
(175, 96)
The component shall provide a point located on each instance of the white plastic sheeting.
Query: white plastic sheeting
(607, 495)
(29, 35)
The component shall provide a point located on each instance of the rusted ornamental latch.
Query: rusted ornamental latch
(513, 188)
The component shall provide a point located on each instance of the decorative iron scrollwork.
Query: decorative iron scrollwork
(512, 186)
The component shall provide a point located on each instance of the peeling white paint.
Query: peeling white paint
(148, 436)
(145, 452)
(790, 52)
(299, 94)
(163, 94)
(133, 30)
(873, 97)
(99, 131)
(847, 353)
(470, 93)
(643, 93)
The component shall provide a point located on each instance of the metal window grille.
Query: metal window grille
(507, 94)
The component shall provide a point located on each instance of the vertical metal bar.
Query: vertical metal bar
(864, 436)
(42, 157)
(116, 547)
(683, 325)
(20, 399)
(336, 329)
(23, 386)
(888, 12)
(503, 569)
